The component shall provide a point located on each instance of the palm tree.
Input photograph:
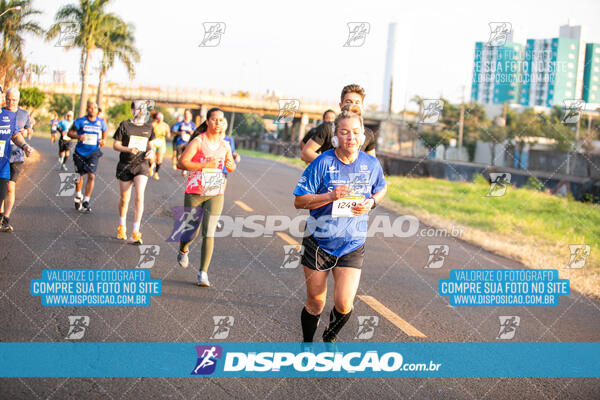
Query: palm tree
(89, 16)
(15, 21)
(38, 70)
(118, 42)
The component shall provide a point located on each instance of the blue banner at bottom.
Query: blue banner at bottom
(225, 359)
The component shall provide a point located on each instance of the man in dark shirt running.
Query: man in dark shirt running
(321, 139)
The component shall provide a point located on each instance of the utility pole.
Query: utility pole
(389, 110)
(231, 121)
(461, 122)
(577, 134)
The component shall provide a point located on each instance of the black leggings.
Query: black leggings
(3, 188)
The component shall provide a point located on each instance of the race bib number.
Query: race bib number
(213, 181)
(343, 207)
(91, 139)
(208, 182)
(2, 147)
(185, 137)
(138, 142)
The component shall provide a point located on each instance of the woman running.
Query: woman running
(339, 188)
(205, 156)
(133, 139)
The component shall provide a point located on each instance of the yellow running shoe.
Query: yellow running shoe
(156, 176)
(122, 232)
(136, 238)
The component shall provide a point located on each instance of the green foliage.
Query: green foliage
(245, 124)
(120, 112)
(31, 98)
(432, 137)
(534, 183)
(60, 104)
(480, 180)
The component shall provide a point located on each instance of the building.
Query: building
(591, 74)
(496, 73)
(553, 69)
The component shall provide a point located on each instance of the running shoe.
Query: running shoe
(63, 167)
(203, 279)
(122, 232)
(184, 173)
(155, 176)
(183, 259)
(5, 226)
(77, 201)
(136, 238)
(85, 207)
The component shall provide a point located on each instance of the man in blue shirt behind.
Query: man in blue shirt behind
(64, 141)
(17, 156)
(9, 132)
(91, 134)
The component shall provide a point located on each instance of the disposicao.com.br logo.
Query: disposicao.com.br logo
(290, 363)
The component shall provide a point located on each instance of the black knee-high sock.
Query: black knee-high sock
(65, 158)
(337, 321)
(309, 324)
(157, 167)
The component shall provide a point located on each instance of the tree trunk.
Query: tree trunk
(84, 83)
(100, 86)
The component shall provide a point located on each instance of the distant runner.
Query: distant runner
(159, 145)
(91, 134)
(64, 141)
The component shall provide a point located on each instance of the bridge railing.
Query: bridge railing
(187, 95)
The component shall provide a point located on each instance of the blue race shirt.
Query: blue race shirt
(93, 132)
(342, 235)
(64, 126)
(53, 125)
(231, 142)
(23, 122)
(8, 128)
(185, 129)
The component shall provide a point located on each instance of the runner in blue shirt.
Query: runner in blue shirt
(64, 141)
(184, 132)
(175, 134)
(91, 134)
(17, 156)
(236, 157)
(9, 132)
(53, 125)
(339, 188)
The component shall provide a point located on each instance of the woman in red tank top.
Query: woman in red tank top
(205, 156)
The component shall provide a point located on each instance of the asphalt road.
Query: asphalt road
(250, 285)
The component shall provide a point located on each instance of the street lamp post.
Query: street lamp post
(17, 8)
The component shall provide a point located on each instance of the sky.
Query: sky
(296, 48)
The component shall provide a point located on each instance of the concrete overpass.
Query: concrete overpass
(200, 100)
